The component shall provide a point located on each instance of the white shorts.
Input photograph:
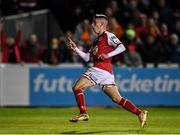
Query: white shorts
(99, 76)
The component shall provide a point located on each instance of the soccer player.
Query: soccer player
(103, 49)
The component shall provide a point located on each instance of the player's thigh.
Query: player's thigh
(112, 92)
(83, 83)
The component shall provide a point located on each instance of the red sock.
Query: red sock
(80, 100)
(126, 104)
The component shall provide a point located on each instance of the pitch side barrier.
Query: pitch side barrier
(49, 86)
(52, 86)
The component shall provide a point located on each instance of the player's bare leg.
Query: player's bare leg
(78, 90)
(113, 93)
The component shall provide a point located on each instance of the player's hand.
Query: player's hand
(71, 44)
(103, 57)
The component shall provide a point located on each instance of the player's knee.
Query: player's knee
(76, 87)
(116, 99)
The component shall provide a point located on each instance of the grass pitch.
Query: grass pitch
(102, 121)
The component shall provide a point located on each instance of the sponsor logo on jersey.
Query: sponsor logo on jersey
(115, 40)
(95, 50)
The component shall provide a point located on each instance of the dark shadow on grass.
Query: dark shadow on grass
(69, 132)
(74, 132)
(138, 131)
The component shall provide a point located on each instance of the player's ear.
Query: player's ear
(102, 23)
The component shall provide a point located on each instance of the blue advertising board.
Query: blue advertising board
(154, 87)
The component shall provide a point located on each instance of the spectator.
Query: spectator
(114, 6)
(83, 34)
(51, 55)
(115, 10)
(115, 28)
(173, 49)
(130, 34)
(1, 41)
(141, 29)
(155, 17)
(64, 51)
(132, 58)
(165, 13)
(148, 19)
(150, 51)
(124, 15)
(153, 28)
(10, 46)
(76, 16)
(162, 41)
(164, 33)
(32, 50)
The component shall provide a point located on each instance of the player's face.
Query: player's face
(96, 25)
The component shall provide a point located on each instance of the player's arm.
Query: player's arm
(119, 49)
(72, 46)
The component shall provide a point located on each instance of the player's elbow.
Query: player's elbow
(86, 57)
(123, 48)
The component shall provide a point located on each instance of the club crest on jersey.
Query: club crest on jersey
(115, 40)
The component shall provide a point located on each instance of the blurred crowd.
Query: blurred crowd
(149, 29)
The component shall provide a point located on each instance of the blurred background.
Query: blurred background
(37, 63)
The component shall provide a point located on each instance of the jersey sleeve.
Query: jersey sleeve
(83, 55)
(113, 40)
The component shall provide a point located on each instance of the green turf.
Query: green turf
(102, 121)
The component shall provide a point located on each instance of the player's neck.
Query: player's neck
(101, 32)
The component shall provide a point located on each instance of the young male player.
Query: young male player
(103, 49)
